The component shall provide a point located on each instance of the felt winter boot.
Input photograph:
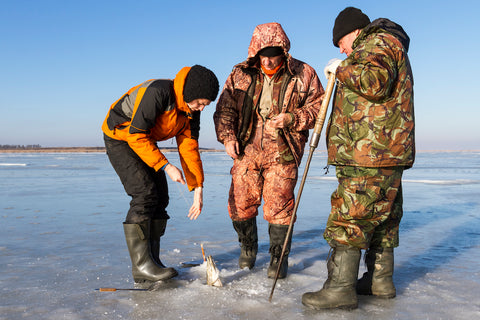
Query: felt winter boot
(144, 267)
(277, 234)
(338, 291)
(248, 238)
(378, 279)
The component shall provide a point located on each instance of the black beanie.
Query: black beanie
(271, 52)
(350, 19)
(200, 83)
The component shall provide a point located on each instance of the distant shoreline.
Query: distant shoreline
(82, 150)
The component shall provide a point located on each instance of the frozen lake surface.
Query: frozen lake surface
(62, 237)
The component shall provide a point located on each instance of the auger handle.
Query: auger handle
(313, 144)
(317, 130)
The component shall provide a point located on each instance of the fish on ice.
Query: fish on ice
(213, 274)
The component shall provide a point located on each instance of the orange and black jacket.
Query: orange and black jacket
(155, 111)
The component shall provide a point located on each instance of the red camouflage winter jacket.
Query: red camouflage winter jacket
(299, 92)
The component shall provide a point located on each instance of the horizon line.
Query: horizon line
(101, 149)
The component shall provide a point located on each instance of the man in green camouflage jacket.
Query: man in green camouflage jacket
(370, 140)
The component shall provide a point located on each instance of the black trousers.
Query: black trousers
(147, 187)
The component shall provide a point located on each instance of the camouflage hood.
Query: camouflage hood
(389, 26)
(268, 35)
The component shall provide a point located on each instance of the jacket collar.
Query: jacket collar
(178, 84)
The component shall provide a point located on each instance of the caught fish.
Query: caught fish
(213, 274)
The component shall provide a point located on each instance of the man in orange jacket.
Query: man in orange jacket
(157, 110)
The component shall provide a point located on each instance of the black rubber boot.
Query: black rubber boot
(144, 267)
(157, 230)
(378, 279)
(277, 234)
(338, 291)
(248, 238)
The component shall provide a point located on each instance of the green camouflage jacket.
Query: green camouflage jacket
(372, 122)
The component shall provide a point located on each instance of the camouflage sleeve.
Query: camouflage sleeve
(306, 114)
(370, 71)
(226, 114)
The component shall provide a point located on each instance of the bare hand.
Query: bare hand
(174, 173)
(232, 148)
(282, 120)
(197, 206)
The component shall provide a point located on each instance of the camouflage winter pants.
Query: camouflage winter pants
(258, 173)
(366, 207)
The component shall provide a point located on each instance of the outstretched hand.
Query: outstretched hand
(196, 208)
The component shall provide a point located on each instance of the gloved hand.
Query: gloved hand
(331, 67)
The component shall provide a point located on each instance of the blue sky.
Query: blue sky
(63, 63)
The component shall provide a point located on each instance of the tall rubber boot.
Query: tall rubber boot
(338, 291)
(157, 230)
(144, 267)
(248, 238)
(378, 279)
(277, 234)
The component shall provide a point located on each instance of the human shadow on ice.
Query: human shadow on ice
(429, 255)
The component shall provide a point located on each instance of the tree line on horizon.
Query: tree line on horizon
(17, 146)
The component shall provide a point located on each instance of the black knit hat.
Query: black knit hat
(350, 19)
(200, 83)
(271, 52)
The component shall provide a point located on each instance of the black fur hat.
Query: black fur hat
(200, 83)
(348, 20)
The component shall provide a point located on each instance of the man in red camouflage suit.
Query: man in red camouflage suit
(268, 104)
(370, 139)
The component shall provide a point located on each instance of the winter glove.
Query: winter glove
(331, 67)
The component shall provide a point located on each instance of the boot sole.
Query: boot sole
(167, 276)
(380, 296)
(385, 297)
(344, 307)
(246, 264)
(271, 274)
